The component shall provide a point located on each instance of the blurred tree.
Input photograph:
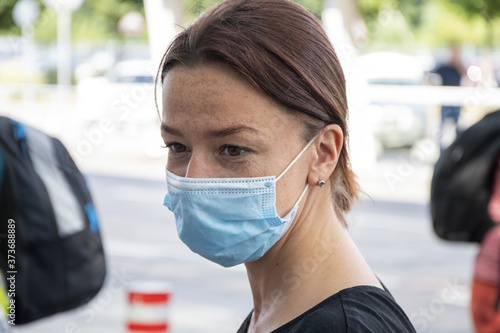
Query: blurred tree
(6, 21)
(195, 7)
(98, 19)
(7, 25)
(434, 22)
(489, 10)
(390, 23)
(443, 24)
(411, 9)
(314, 6)
(95, 19)
(370, 9)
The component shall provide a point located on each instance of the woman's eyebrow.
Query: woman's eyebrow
(217, 133)
(220, 133)
(170, 130)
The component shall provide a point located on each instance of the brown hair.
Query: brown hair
(283, 51)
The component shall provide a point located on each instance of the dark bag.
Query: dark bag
(51, 250)
(462, 183)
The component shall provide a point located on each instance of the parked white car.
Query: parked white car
(394, 125)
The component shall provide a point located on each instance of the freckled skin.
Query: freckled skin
(198, 100)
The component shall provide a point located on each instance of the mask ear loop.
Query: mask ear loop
(303, 192)
(297, 202)
(187, 169)
(289, 166)
(296, 158)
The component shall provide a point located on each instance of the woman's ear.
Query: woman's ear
(328, 147)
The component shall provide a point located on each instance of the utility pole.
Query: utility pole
(161, 19)
(64, 70)
(341, 21)
(25, 14)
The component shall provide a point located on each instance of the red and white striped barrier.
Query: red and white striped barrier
(148, 304)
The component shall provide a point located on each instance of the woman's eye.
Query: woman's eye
(233, 150)
(177, 147)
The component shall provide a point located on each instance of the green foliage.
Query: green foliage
(411, 9)
(431, 21)
(193, 8)
(442, 25)
(45, 28)
(98, 20)
(95, 19)
(488, 9)
(314, 6)
(390, 23)
(6, 21)
(434, 22)
(7, 24)
(369, 9)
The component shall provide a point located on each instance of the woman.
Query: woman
(254, 116)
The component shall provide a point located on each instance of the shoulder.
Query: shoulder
(356, 309)
(370, 309)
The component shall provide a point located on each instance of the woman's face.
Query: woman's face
(217, 125)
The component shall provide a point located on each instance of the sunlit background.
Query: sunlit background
(84, 70)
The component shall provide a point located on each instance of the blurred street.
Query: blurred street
(429, 278)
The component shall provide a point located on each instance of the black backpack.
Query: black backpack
(462, 182)
(52, 256)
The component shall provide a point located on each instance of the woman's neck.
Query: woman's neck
(315, 259)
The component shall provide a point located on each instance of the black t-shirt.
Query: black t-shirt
(357, 309)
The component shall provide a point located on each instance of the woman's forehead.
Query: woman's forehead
(215, 97)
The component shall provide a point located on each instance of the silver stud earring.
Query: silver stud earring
(321, 183)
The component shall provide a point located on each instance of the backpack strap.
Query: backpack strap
(77, 182)
(92, 216)
(68, 215)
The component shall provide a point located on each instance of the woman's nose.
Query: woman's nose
(199, 167)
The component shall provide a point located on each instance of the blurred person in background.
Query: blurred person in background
(451, 75)
(255, 119)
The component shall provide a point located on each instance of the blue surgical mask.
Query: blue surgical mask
(228, 220)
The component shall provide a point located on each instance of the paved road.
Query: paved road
(429, 278)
